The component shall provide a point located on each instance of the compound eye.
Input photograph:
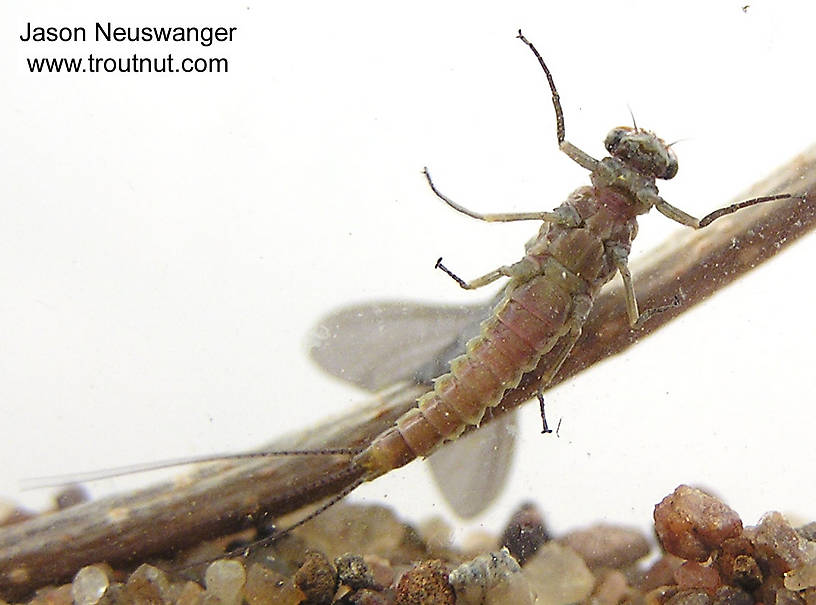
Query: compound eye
(614, 138)
(671, 169)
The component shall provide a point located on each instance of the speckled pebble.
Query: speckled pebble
(353, 571)
(225, 580)
(426, 583)
(89, 585)
(490, 578)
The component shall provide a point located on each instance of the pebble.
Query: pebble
(268, 587)
(801, 578)
(525, 533)
(781, 545)
(353, 571)
(426, 583)
(89, 585)
(492, 578)
(692, 524)
(692, 574)
(558, 576)
(604, 545)
(190, 594)
(225, 580)
(611, 588)
(148, 584)
(317, 578)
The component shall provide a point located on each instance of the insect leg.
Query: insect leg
(521, 269)
(582, 158)
(620, 257)
(677, 215)
(545, 429)
(582, 304)
(549, 217)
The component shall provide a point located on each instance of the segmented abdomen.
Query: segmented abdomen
(525, 325)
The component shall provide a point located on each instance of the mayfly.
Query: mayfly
(581, 245)
(540, 314)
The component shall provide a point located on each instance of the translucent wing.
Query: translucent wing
(376, 345)
(472, 471)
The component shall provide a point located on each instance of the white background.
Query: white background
(167, 241)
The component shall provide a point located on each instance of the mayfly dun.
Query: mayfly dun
(581, 245)
(540, 313)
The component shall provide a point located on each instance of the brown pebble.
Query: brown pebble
(692, 574)
(661, 573)
(525, 532)
(781, 546)
(691, 524)
(426, 583)
(148, 584)
(317, 578)
(603, 545)
(611, 589)
(381, 569)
